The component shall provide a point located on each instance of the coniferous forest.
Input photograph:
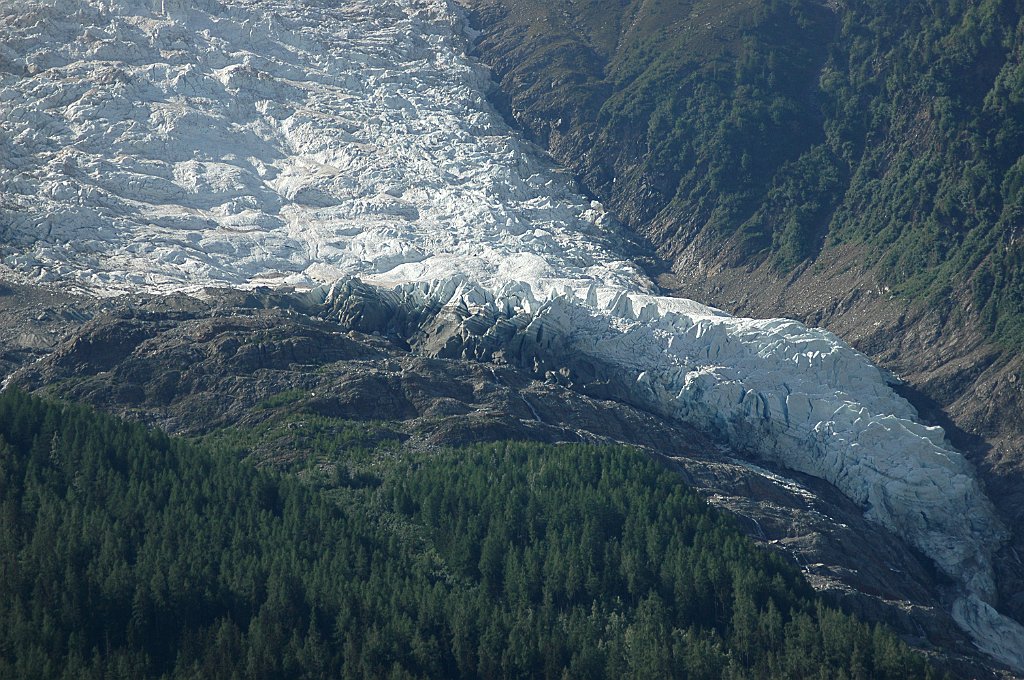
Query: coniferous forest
(125, 553)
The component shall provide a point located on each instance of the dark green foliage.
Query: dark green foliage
(719, 94)
(124, 553)
(926, 101)
(781, 127)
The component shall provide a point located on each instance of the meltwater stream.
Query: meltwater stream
(166, 145)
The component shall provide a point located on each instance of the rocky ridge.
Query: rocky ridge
(773, 388)
(277, 365)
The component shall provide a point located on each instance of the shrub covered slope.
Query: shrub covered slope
(777, 128)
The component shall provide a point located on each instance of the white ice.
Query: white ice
(167, 145)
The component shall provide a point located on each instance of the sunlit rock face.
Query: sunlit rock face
(162, 145)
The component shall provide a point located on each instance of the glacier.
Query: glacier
(349, 147)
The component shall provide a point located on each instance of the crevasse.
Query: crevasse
(168, 145)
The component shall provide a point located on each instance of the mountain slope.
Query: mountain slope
(780, 128)
(852, 164)
(175, 561)
(293, 379)
(163, 147)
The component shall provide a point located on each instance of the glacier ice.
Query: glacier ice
(167, 144)
(170, 145)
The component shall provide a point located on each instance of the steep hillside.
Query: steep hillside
(683, 112)
(777, 129)
(177, 561)
(854, 164)
(470, 290)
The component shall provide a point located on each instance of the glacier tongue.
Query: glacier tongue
(774, 388)
(170, 145)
